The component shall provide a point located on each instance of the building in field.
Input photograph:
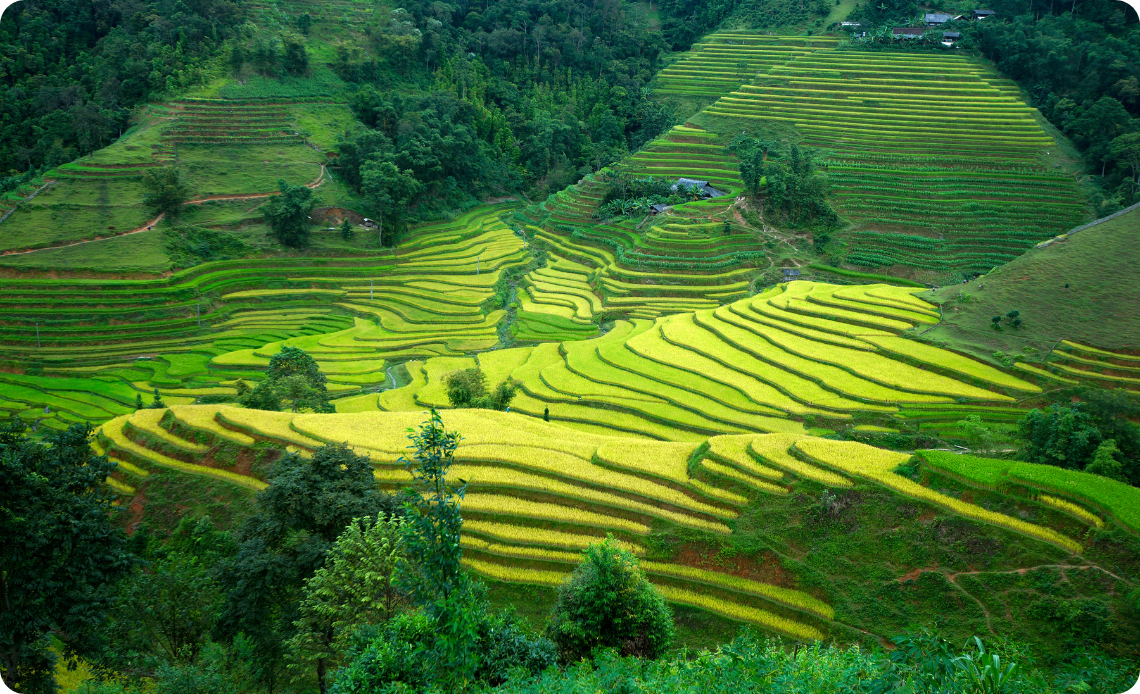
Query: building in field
(791, 273)
(370, 223)
(703, 187)
(657, 209)
(982, 14)
(908, 32)
(936, 19)
(949, 38)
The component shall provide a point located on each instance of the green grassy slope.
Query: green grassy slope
(1082, 289)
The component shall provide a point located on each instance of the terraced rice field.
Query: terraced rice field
(538, 495)
(724, 60)
(1074, 363)
(755, 365)
(936, 158)
(89, 347)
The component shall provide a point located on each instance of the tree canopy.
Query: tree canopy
(60, 555)
(287, 214)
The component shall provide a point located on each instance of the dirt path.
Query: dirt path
(145, 227)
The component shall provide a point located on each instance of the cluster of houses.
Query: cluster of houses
(931, 19)
(937, 19)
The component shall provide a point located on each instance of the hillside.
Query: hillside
(1067, 290)
(732, 525)
(777, 393)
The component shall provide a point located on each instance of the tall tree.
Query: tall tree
(165, 191)
(307, 505)
(60, 556)
(389, 190)
(287, 214)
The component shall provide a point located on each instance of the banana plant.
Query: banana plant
(983, 670)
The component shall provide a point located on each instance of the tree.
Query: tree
(354, 588)
(546, 414)
(157, 403)
(296, 60)
(305, 508)
(431, 574)
(165, 192)
(390, 190)
(304, 23)
(295, 376)
(1104, 462)
(287, 214)
(979, 437)
(468, 388)
(346, 230)
(138, 401)
(1126, 150)
(1061, 436)
(607, 602)
(61, 557)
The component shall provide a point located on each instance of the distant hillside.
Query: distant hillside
(1081, 288)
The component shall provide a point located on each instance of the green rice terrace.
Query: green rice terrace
(917, 409)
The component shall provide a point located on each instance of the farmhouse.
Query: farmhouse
(791, 273)
(657, 209)
(370, 223)
(949, 37)
(936, 19)
(703, 187)
(908, 32)
(982, 14)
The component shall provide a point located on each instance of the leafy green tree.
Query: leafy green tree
(607, 602)
(1126, 150)
(296, 59)
(165, 191)
(163, 615)
(1104, 461)
(354, 588)
(305, 508)
(467, 388)
(389, 190)
(1061, 436)
(157, 403)
(61, 557)
(346, 230)
(294, 375)
(431, 576)
(304, 23)
(979, 437)
(287, 214)
(138, 401)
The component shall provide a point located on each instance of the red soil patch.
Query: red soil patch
(914, 574)
(765, 569)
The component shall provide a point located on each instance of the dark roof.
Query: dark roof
(950, 35)
(937, 18)
(909, 31)
(658, 208)
(791, 272)
(983, 13)
(850, 24)
(713, 192)
(690, 182)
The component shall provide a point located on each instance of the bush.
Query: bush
(607, 602)
(468, 388)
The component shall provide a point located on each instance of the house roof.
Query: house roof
(713, 192)
(791, 272)
(691, 182)
(950, 35)
(658, 208)
(937, 18)
(909, 31)
(983, 13)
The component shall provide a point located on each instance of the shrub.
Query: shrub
(607, 602)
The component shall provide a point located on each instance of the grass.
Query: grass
(1095, 309)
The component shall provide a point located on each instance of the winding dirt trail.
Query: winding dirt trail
(145, 227)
